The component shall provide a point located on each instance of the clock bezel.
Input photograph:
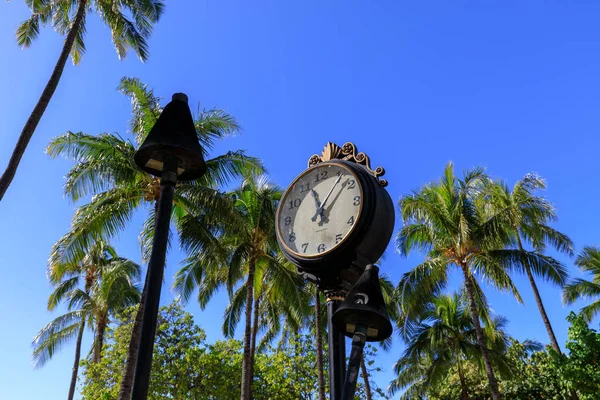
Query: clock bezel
(284, 200)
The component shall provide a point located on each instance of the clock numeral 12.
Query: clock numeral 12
(319, 176)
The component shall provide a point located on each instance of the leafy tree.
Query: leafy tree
(104, 168)
(101, 262)
(251, 256)
(108, 286)
(445, 337)
(537, 374)
(130, 24)
(582, 367)
(444, 220)
(589, 261)
(185, 366)
(528, 216)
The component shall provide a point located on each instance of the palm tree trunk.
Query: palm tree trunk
(365, 375)
(540, 305)
(538, 300)
(484, 351)
(44, 100)
(99, 340)
(246, 393)
(132, 351)
(463, 383)
(319, 339)
(76, 362)
(254, 333)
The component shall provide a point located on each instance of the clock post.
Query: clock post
(333, 222)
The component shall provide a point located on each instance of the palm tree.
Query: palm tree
(68, 17)
(250, 254)
(589, 261)
(528, 216)
(444, 337)
(108, 287)
(104, 168)
(446, 220)
(103, 263)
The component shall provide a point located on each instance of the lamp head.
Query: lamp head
(173, 136)
(364, 305)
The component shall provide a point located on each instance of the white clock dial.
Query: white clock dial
(319, 210)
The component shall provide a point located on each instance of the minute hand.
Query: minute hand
(320, 209)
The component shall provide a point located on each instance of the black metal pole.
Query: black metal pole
(358, 344)
(337, 353)
(156, 267)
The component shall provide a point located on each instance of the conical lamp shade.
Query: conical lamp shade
(173, 135)
(364, 305)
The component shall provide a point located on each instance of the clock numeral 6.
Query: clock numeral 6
(321, 248)
(295, 203)
(356, 200)
(287, 221)
(338, 238)
(292, 237)
(304, 247)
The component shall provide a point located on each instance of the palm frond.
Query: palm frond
(55, 335)
(103, 217)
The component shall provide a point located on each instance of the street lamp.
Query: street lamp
(363, 317)
(172, 152)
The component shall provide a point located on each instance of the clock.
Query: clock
(333, 220)
(320, 210)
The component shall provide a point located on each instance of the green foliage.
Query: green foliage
(93, 289)
(581, 368)
(537, 374)
(126, 32)
(444, 339)
(185, 366)
(104, 169)
(588, 261)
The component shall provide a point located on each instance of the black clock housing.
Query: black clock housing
(365, 244)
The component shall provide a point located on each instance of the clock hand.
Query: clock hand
(320, 209)
(315, 196)
(334, 198)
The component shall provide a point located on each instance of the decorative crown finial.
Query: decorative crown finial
(348, 153)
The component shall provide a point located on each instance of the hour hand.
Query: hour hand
(315, 196)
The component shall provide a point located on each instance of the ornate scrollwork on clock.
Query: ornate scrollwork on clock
(347, 152)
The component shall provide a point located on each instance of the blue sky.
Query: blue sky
(509, 85)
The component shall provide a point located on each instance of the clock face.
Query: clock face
(319, 210)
